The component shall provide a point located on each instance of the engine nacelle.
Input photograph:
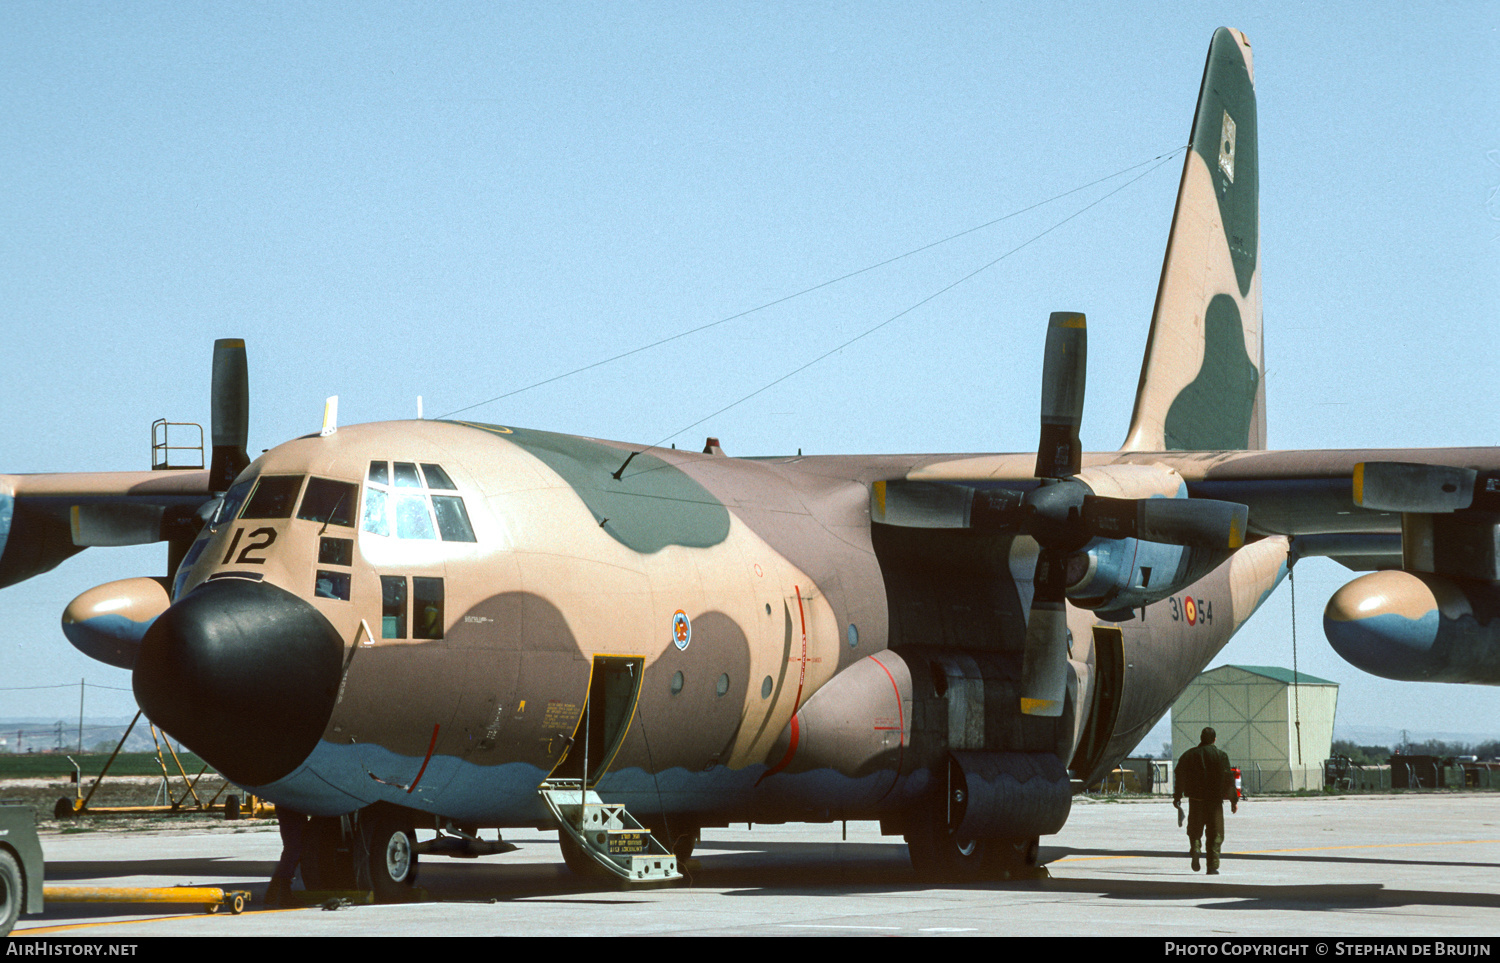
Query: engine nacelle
(1417, 627)
(1119, 574)
(1114, 575)
(107, 622)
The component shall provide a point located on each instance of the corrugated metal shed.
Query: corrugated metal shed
(1255, 709)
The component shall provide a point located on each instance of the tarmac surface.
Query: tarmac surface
(1402, 866)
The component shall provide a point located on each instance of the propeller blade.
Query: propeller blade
(1044, 665)
(1060, 453)
(1196, 522)
(1398, 486)
(231, 413)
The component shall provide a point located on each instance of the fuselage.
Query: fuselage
(457, 585)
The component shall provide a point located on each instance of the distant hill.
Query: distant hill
(100, 734)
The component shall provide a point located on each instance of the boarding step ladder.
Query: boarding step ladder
(608, 834)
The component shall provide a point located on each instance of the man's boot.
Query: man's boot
(1194, 853)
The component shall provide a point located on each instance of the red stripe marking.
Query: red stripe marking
(426, 759)
(802, 673)
(786, 760)
(900, 712)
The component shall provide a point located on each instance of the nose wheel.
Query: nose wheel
(385, 861)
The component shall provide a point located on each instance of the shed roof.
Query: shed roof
(1279, 674)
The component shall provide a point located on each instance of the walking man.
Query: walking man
(1203, 775)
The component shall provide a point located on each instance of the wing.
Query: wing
(44, 519)
(1309, 496)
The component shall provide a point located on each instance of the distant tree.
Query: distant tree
(1361, 755)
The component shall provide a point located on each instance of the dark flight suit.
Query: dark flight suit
(1202, 775)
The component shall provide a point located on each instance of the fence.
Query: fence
(1154, 776)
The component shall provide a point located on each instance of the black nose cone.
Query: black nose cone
(244, 673)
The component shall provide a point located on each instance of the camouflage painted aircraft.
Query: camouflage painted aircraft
(453, 625)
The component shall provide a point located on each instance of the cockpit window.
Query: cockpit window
(274, 497)
(412, 519)
(452, 518)
(437, 478)
(329, 501)
(376, 520)
(414, 511)
(229, 505)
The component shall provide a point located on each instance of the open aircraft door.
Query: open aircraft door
(594, 834)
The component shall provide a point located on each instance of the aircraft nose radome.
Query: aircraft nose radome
(244, 673)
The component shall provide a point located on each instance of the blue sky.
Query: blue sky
(456, 200)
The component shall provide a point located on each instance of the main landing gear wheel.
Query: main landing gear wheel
(386, 857)
(937, 854)
(1014, 859)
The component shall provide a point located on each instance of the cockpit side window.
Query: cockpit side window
(330, 501)
(274, 497)
(229, 505)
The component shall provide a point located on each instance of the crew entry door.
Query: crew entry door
(614, 688)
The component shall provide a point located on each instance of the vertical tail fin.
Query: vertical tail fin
(1202, 382)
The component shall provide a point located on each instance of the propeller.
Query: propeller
(231, 413)
(1064, 515)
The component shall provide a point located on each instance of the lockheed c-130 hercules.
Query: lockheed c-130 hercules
(458, 626)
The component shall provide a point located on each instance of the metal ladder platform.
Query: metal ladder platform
(608, 834)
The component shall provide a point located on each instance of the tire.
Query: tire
(327, 863)
(937, 856)
(386, 860)
(231, 807)
(12, 891)
(64, 809)
(1008, 858)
